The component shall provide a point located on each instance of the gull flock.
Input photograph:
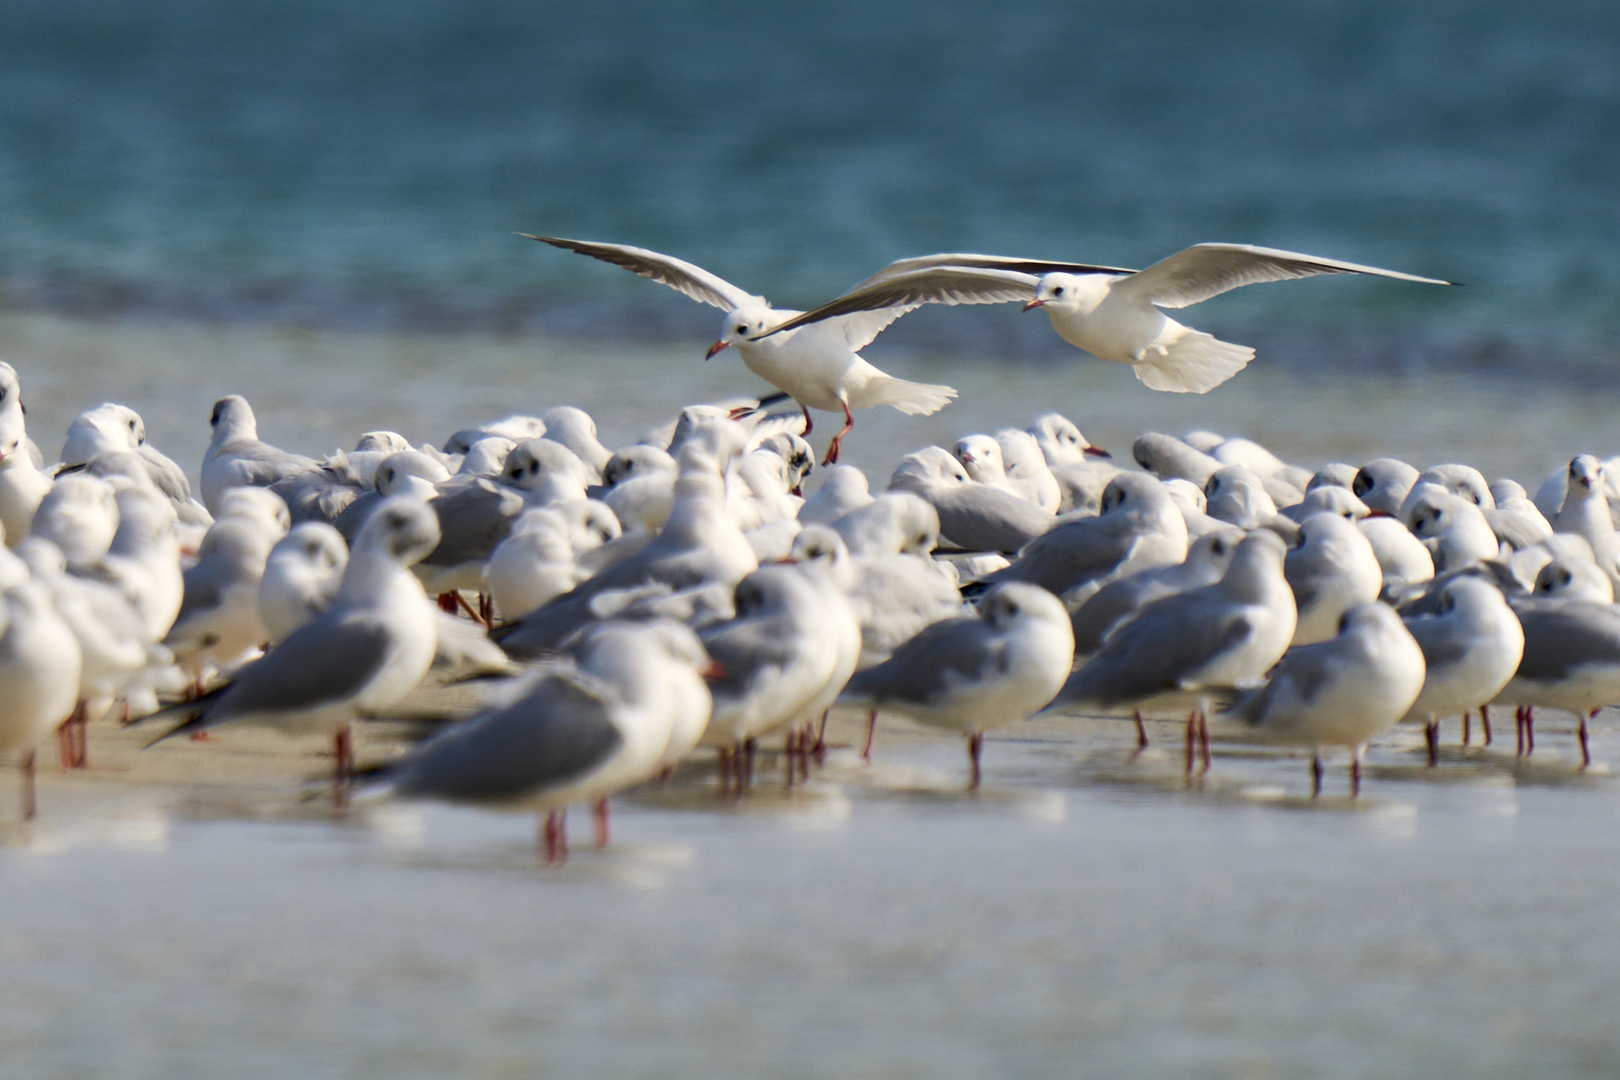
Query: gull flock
(620, 610)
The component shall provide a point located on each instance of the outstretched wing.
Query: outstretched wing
(1205, 270)
(937, 285)
(968, 261)
(679, 275)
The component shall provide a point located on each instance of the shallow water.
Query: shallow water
(1086, 913)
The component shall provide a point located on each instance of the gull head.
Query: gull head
(738, 326)
(1586, 471)
(405, 528)
(1073, 294)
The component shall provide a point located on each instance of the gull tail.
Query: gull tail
(1194, 363)
(911, 398)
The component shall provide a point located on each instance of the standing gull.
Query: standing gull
(39, 677)
(977, 672)
(362, 656)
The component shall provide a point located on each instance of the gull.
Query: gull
(1111, 313)
(843, 488)
(113, 428)
(79, 515)
(23, 485)
(700, 545)
(1585, 513)
(1326, 499)
(219, 619)
(362, 656)
(1139, 527)
(143, 561)
(301, 578)
(1471, 649)
(976, 672)
(1452, 528)
(1119, 601)
(533, 565)
(1186, 648)
(1192, 502)
(1237, 496)
(1257, 459)
(576, 429)
(641, 487)
(1025, 466)
(1573, 575)
(980, 456)
(1342, 692)
(895, 522)
(1571, 662)
(1402, 557)
(236, 458)
(1383, 485)
(820, 555)
(820, 368)
(1081, 469)
(577, 733)
(113, 645)
(39, 677)
(972, 516)
(1331, 570)
(1333, 474)
(1517, 520)
(778, 655)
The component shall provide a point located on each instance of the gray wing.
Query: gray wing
(1304, 671)
(983, 518)
(1205, 270)
(743, 648)
(356, 514)
(1561, 636)
(926, 667)
(969, 261)
(938, 285)
(473, 520)
(1071, 553)
(683, 277)
(315, 496)
(325, 662)
(1156, 652)
(1442, 645)
(257, 464)
(559, 731)
(169, 477)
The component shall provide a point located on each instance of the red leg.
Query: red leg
(838, 439)
(1192, 738)
(81, 736)
(809, 425)
(723, 763)
(447, 603)
(343, 769)
(556, 837)
(790, 755)
(29, 807)
(820, 747)
(1316, 775)
(1529, 730)
(1586, 747)
(1141, 732)
(1468, 721)
(1431, 736)
(64, 744)
(871, 730)
(604, 832)
(1355, 772)
(1203, 736)
(1485, 723)
(1518, 730)
(749, 747)
(975, 748)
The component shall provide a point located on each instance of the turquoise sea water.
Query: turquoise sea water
(365, 164)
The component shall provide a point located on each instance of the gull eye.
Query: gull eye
(1012, 608)
(742, 329)
(1058, 291)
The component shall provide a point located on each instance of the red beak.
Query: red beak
(1097, 451)
(1033, 304)
(717, 347)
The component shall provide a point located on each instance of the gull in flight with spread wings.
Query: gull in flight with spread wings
(1111, 313)
(819, 366)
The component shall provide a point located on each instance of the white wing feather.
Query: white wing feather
(1205, 270)
(678, 274)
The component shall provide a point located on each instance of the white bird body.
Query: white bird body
(820, 366)
(1332, 570)
(301, 578)
(23, 486)
(39, 670)
(1471, 649)
(1342, 692)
